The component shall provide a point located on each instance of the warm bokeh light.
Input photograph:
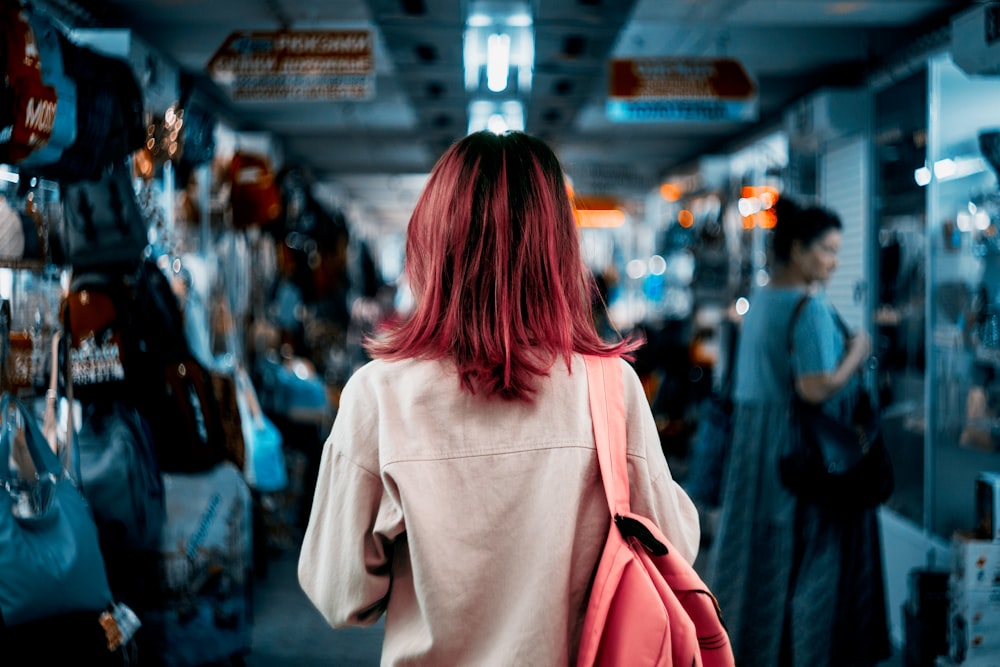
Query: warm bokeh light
(767, 219)
(598, 210)
(670, 192)
(598, 217)
(756, 205)
(685, 218)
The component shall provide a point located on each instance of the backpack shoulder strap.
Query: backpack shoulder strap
(607, 410)
(796, 311)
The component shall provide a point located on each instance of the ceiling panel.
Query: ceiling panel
(790, 47)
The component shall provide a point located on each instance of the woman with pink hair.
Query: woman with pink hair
(459, 491)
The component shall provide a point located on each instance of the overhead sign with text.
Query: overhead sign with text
(296, 65)
(680, 89)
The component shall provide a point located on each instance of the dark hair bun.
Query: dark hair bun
(786, 208)
(799, 223)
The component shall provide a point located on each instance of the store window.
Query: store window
(900, 124)
(963, 293)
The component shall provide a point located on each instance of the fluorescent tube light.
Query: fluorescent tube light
(497, 62)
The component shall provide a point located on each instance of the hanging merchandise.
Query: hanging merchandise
(255, 196)
(51, 559)
(18, 235)
(293, 389)
(265, 468)
(225, 394)
(25, 323)
(199, 131)
(200, 612)
(104, 225)
(120, 477)
(27, 104)
(173, 390)
(95, 327)
(110, 124)
(118, 472)
(165, 136)
(189, 428)
(47, 39)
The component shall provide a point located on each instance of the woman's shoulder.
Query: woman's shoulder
(817, 310)
(768, 303)
(397, 371)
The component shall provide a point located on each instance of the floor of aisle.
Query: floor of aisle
(288, 631)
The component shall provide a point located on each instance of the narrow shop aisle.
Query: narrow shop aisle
(289, 632)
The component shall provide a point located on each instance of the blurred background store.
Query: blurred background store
(283, 144)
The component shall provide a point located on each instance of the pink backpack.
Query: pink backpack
(647, 605)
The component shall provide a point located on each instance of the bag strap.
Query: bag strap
(607, 410)
(800, 305)
(42, 457)
(797, 311)
(50, 419)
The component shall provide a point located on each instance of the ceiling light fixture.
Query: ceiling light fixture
(496, 124)
(479, 20)
(498, 47)
(488, 115)
(497, 62)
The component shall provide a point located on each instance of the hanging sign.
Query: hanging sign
(296, 65)
(680, 89)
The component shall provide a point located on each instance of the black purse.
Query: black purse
(831, 463)
(103, 222)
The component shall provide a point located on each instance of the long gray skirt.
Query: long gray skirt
(798, 586)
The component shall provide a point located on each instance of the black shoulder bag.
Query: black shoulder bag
(831, 463)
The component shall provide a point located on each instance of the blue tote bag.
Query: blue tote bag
(50, 558)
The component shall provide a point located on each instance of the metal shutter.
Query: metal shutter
(843, 188)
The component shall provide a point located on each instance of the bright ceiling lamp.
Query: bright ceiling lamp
(497, 62)
(498, 117)
(497, 124)
(499, 45)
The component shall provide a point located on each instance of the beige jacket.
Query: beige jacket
(475, 525)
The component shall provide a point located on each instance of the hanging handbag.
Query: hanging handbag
(120, 476)
(255, 196)
(104, 225)
(832, 463)
(265, 469)
(647, 605)
(27, 102)
(94, 321)
(48, 40)
(49, 552)
(110, 123)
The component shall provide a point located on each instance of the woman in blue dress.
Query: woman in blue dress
(798, 585)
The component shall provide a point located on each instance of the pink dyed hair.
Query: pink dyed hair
(493, 259)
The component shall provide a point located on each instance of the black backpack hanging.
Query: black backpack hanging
(103, 224)
(173, 391)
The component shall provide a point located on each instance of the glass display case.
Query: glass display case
(900, 124)
(963, 291)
